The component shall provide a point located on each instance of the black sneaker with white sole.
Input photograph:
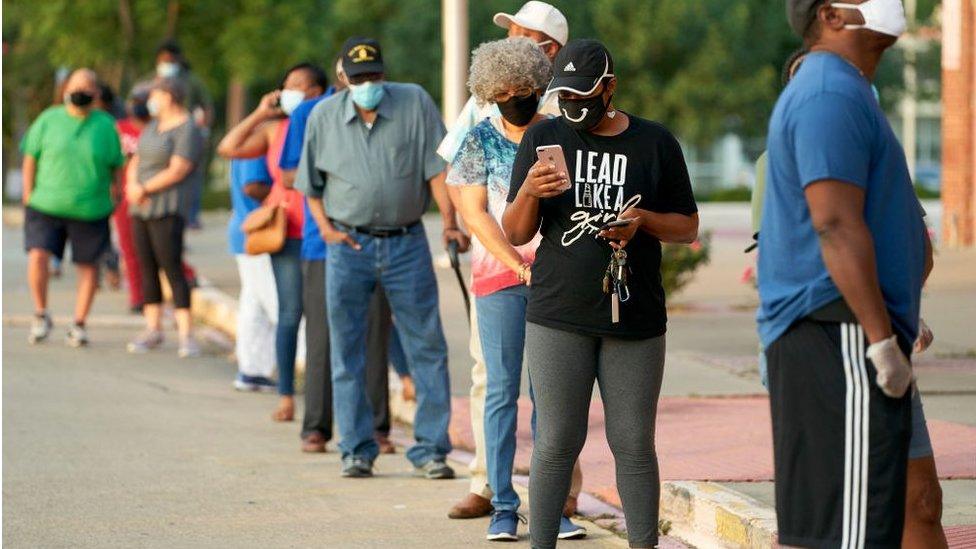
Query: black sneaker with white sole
(435, 469)
(356, 467)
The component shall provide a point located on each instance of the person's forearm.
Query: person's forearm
(521, 219)
(29, 170)
(492, 238)
(233, 144)
(165, 179)
(670, 227)
(317, 207)
(438, 188)
(848, 253)
(118, 184)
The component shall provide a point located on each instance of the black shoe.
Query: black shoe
(435, 469)
(356, 467)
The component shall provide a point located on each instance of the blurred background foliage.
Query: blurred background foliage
(702, 67)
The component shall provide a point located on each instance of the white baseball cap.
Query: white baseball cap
(537, 16)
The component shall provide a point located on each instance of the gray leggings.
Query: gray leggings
(562, 367)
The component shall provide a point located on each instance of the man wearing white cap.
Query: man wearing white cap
(547, 27)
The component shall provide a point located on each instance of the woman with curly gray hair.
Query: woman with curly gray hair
(511, 74)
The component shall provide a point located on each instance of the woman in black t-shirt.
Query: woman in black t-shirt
(596, 309)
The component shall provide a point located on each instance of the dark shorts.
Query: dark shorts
(840, 446)
(89, 239)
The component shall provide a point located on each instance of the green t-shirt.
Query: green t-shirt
(76, 159)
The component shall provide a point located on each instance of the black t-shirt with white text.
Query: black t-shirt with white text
(644, 167)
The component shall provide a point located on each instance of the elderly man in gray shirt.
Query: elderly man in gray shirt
(369, 166)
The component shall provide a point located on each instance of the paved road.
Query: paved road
(103, 449)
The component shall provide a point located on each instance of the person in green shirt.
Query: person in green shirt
(71, 171)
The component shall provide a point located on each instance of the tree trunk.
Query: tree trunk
(172, 17)
(236, 98)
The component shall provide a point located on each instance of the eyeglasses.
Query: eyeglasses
(502, 97)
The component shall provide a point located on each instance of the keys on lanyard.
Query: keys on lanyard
(615, 283)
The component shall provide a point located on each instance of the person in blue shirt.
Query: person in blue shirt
(382, 343)
(843, 255)
(257, 311)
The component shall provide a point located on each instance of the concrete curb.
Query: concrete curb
(709, 514)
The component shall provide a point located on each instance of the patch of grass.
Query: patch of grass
(925, 193)
(739, 193)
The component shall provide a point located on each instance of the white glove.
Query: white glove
(894, 370)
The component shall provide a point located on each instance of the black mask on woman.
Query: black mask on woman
(583, 114)
(520, 110)
(80, 98)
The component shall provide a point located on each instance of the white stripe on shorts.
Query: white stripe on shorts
(856, 430)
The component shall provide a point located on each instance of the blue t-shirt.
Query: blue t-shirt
(243, 172)
(827, 124)
(313, 247)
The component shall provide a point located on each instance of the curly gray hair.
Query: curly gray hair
(500, 65)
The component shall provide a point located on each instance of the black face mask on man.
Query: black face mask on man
(519, 111)
(584, 114)
(79, 98)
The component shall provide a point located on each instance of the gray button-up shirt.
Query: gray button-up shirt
(373, 177)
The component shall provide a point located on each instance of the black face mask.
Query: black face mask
(141, 111)
(583, 114)
(520, 110)
(80, 98)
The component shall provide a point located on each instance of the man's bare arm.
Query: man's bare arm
(837, 214)
(28, 171)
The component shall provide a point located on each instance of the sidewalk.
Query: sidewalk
(105, 449)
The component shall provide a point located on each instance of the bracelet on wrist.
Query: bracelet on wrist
(523, 268)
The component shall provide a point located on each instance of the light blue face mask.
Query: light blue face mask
(367, 95)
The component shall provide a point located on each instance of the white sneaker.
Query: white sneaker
(189, 348)
(145, 342)
(77, 336)
(40, 328)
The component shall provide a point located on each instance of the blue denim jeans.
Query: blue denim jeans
(501, 326)
(287, 267)
(402, 266)
(397, 357)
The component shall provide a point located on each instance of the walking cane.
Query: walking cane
(452, 253)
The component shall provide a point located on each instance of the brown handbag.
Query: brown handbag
(265, 230)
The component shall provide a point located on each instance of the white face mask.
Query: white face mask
(167, 69)
(290, 99)
(884, 16)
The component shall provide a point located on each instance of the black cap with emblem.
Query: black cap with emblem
(580, 66)
(361, 55)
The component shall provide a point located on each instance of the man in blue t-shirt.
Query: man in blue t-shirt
(843, 256)
(257, 311)
(317, 423)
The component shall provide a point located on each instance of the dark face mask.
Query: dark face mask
(141, 111)
(519, 111)
(583, 114)
(80, 98)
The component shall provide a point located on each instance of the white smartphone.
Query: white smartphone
(553, 154)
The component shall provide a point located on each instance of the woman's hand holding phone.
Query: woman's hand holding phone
(544, 180)
(622, 231)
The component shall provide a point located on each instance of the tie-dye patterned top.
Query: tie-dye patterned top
(485, 158)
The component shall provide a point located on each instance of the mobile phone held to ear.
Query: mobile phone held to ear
(553, 154)
(617, 223)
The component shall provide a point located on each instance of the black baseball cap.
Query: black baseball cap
(361, 55)
(801, 13)
(580, 66)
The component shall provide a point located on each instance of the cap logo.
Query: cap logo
(570, 67)
(362, 53)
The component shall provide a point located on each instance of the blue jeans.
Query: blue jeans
(501, 326)
(402, 266)
(397, 357)
(287, 267)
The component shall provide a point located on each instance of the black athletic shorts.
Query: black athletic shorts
(840, 446)
(89, 239)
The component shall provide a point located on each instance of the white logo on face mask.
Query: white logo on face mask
(569, 67)
(582, 115)
(884, 16)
